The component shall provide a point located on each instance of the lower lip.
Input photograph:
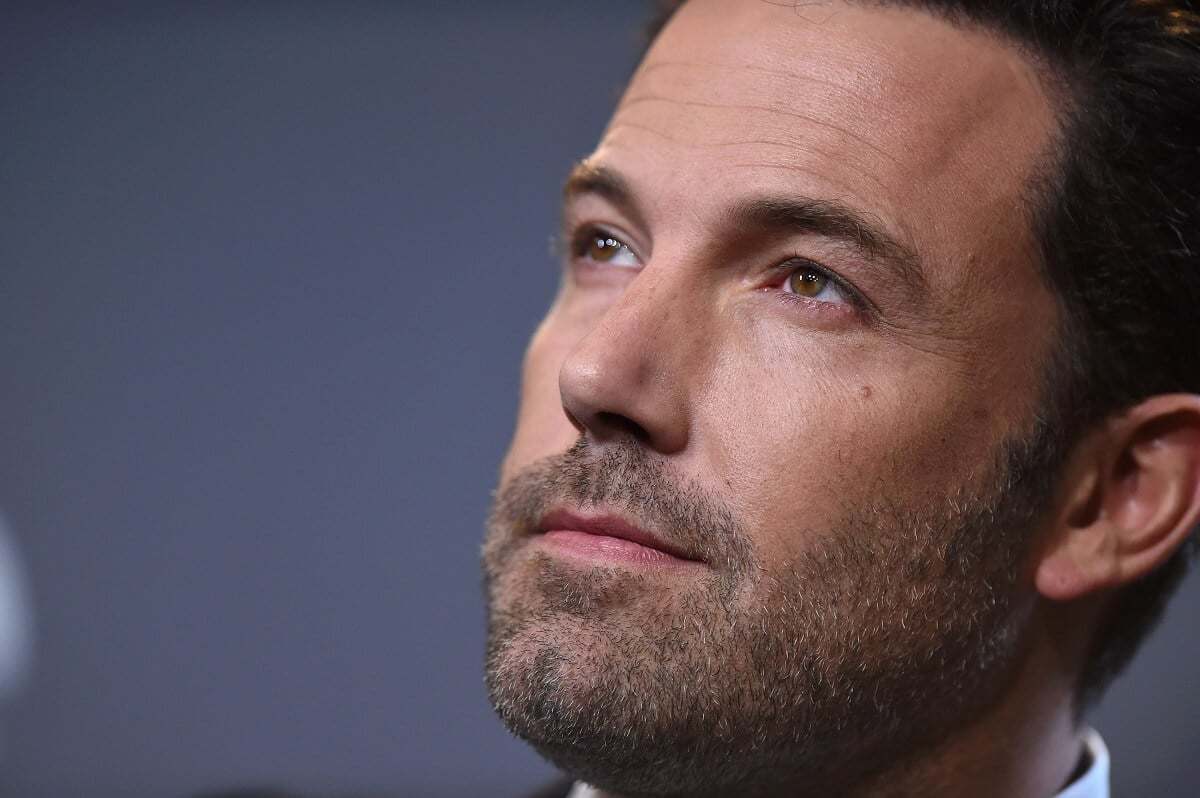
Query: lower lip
(610, 549)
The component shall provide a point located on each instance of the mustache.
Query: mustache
(620, 476)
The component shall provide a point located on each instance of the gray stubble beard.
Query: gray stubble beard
(873, 644)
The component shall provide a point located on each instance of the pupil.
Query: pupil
(604, 248)
(807, 283)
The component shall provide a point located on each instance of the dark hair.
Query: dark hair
(1118, 225)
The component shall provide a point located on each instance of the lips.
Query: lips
(608, 536)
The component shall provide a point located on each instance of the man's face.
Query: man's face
(801, 343)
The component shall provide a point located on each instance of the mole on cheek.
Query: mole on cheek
(865, 392)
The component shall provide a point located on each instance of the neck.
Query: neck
(1027, 743)
(1026, 746)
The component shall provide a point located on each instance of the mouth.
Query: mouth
(606, 537)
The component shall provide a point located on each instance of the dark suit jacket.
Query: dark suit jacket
(558, 789)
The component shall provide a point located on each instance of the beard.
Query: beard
(876, 640)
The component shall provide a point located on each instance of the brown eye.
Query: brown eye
(604, 249)
(807, 282)
(811, 281)
(600, 247)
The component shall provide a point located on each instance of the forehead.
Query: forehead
(930, 128)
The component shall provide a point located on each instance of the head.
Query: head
(870, 373)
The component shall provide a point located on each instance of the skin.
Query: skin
(788, 409)
(697, 342)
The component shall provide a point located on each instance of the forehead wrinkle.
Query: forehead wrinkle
(611, 136)
(790, 146)
(788, 114)
(856, 74)
(689, 68)
(871, 83)
(614, 136)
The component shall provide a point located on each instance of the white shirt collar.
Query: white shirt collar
(1092, 784)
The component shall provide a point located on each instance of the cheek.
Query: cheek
(779, 429)
(790, 472)
(542, 428)
(803, 445)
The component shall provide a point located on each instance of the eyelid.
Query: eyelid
(590, 211)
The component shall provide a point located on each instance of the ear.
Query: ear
(1131, 497)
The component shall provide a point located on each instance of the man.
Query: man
(861, 444)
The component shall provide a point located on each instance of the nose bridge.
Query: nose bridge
(650, 313)
(634, 370)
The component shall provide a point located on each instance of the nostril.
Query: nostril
(615, 422)
(611, 387)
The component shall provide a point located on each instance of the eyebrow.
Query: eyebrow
(839, 222)
(587, 178)
(804, 215)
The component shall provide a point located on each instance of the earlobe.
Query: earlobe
(1132, 496)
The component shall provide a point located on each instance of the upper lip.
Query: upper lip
(611, 525)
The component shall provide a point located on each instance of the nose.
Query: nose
(628, 376)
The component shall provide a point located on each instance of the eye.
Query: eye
(603, 247)
(812, 282)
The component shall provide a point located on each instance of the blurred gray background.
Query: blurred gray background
(266, 272)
